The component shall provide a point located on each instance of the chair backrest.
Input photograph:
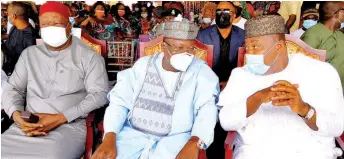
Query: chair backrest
(99, 46)
(151, 47)
(121, 55)
(143, 38)
(203, 51)
(294, 45)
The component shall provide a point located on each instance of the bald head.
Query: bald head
(19, 10)
(329, 9)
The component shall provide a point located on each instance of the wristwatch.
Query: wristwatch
(200, 144)
(310, 113)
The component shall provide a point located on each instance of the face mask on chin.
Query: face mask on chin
(54, 36)
(255, 63)
(181, 61)
(223, 20)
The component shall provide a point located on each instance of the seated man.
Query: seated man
(62, 80)
(282, 106)
(164, 106)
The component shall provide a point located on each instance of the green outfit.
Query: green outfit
(320, 37)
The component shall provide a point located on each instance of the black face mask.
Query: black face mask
(223, 20)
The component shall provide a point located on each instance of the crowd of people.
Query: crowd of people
(172, 104)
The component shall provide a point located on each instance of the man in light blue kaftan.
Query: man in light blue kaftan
(164, 106)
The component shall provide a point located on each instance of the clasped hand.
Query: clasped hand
(46, 123)
(283, 93)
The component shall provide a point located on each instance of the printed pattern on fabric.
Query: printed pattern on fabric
(153, 107)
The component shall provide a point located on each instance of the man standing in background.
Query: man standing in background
(310, 18)
(290, 11)
(326, 35)
(226, 38)
(20, 36)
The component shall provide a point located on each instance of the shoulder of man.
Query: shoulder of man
(240, 32)
(202, 69)
(319, 68)
(315, 30)
(206, 30)
(84, 49)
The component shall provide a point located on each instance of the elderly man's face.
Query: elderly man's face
(263, 45)
(55, 19)
(176, 46)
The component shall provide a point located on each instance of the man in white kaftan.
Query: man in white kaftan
(164, 106)
(282, 107)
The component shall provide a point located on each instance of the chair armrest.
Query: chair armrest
(93, 120)
(6, 122)
(229, 143)
(340, 141)
(89, 135)
(202, 154)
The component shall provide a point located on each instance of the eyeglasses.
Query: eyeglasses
(226, 11)
(175, 50)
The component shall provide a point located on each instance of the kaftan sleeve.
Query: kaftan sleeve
(233, 101)
(14, 91)
(96, 84)
(330, 106)
(121, 97)
(207, 92)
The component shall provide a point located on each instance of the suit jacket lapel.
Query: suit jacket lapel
(216, 41)
(234, 43)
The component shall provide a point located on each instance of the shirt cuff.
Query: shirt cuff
(12, 109)
(71, 114)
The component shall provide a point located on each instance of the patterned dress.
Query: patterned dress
(123, 27)
(104, 31)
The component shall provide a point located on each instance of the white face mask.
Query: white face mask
(207, 20)
(144, 15)
(181, 61)
(54, 36)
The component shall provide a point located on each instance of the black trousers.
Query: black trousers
(217, 149)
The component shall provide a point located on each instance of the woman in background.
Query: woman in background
(99, 25)
(146, 18)
(122, 24)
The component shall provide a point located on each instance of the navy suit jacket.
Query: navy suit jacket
(211, 36)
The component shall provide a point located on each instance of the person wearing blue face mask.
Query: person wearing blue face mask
(326, 35)
(309, 18)
(280, 104)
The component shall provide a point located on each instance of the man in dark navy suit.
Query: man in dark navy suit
(227, 39)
